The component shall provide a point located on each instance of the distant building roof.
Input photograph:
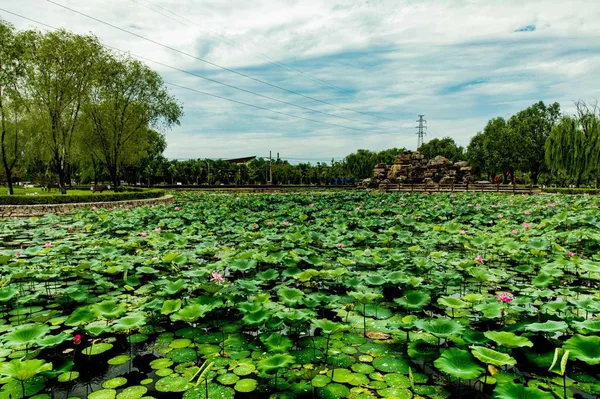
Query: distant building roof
(241, 160)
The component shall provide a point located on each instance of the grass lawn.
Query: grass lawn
(54, 191)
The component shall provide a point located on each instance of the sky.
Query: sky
(366, 68)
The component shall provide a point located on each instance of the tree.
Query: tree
(477, 157)
(445, 147)
(12, 103)
(127, 97)
(534, 125)
(60, 70)
(502, 147)
(573, 148)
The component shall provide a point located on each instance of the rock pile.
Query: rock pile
(411, 167)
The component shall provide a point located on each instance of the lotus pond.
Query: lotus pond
(311, 295)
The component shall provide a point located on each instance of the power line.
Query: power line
(210, 94)
(232, 43)
(248, 91)
(209, 62)
(263, 108)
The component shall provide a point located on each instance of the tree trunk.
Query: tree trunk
(534, 177)
(62, 180)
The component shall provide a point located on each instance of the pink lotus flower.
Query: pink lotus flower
(340, 245)
(570, 254)
(237, 198)
(504, 297)
(500, 216)
(359, 208)
(217, 278)
(269, 223)
(255, 226)
(57, 225)
(479, 259)
(515, 231)
(403, 205)
(18, 254)
(94, 208)
(527, 212)
(70, 228)
(462, 232)
(48, 245)
(285, 223)
(143, 234)
(77, 339)
(526, 225)
(157, 230)
(311, 205)
(176, 208)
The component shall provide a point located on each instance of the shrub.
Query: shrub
(566, 190)
(67, 199)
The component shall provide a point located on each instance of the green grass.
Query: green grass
(30, 192)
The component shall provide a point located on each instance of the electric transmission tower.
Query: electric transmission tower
(421, 130)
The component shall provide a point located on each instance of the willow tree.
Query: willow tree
(60, 71)
(126, 99)
(573, 148)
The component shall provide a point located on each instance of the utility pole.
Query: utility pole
(421, 130)
(270, 168)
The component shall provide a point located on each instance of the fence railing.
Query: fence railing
(467, 187)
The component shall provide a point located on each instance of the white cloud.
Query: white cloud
(458, 62)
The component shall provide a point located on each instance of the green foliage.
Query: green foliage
(70, 199)
(445, 147)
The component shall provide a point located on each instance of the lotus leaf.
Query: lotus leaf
(459, 364)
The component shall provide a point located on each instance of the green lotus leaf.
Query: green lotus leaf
(25, 335)
(170, 306)
(103, 394)
(365, 296)
(121, 359)
(114, 382)
(329, 327)
(274, 363)
(134, 392)
(68, 376)
(173, 383)
(452, 302)
(50, 341)
(182, 355)
(80, 316)
(161, 363)
(275, 342)
(333, 391)
(414, 300)
(228, 379)
(537, 244)
(510, 390)
(173, 287)
(559, 362)
(109, 310)
(7, 293)
(391, 364)
(290, 296)
(586, 349)
(256, 317)
(508, 339)
(587, 326)
(191, 313)
(243, 369)
(549, 326)
(490, 356)
(458, 363)
(131, 322)
(246, 385)
(422, 350)
(395, 393)
(215, 391)
(97, 349)
(22, 370)
(441, 328)
(242, 264)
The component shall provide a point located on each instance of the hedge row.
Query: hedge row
(69, 199)
(566, 190)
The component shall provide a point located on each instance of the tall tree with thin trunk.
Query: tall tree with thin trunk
(12, 104)
(126, 99)
(60, 71)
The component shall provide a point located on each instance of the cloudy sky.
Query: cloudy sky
(366, 68)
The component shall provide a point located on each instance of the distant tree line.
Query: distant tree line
(539, 144)
(70, 109)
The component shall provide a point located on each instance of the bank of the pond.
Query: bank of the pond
(119, 200)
